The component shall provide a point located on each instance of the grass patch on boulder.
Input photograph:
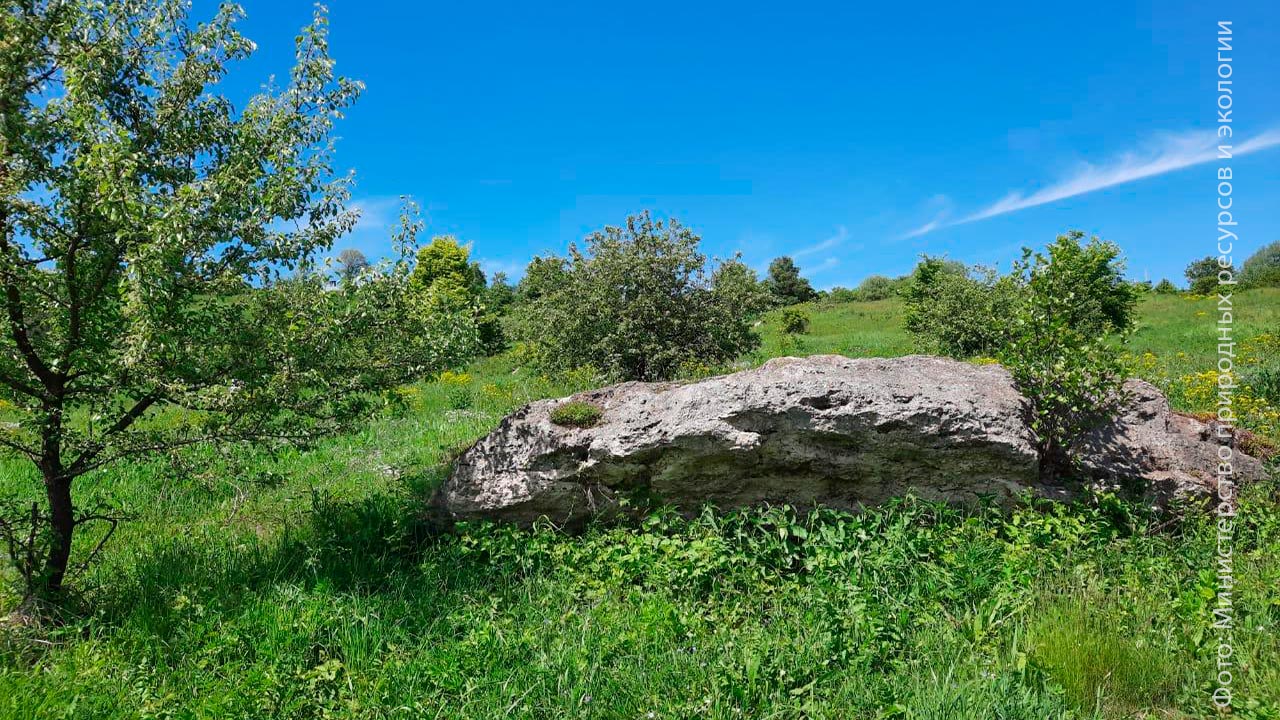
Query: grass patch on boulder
(576, 413)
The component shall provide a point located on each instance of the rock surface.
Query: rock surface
(1152, 450)
(820, 430)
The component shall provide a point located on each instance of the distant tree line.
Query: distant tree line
(1261, 269)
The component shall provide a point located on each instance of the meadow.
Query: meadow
(308, 583)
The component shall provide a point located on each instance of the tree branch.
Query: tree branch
(19, 448)
(84, 462)
(21, 387)
(13, 304)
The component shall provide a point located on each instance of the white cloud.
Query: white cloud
(1167, 153)
(376, 213)
(941, 205)
(1262, 141)
(925, 228)
(824, 266)
(842, 234)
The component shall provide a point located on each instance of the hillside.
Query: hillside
(305, 584)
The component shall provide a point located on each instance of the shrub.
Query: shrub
(500, 294)
(1048, 322)
(1084, 282)
(841, 295)
(736, 294)
(576, 413)
(879, 287)
(953, 312)
(445, 260)
(449, 281)
(543, 276)
(460, 398)
(1057, 345)
(1072, 380)
(1262, 269)
(638, 304)
(795, 321)
(1202, 275)
(1164, 287)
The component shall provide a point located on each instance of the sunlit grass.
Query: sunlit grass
(311, 584)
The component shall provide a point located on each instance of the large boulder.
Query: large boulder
(1151, 450)
(823, 430)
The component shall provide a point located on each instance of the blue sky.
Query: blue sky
(851, 137)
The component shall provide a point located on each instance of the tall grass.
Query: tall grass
(307, 584)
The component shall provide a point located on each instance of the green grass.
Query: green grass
(1107, 662)
(1181, 326)
(308, 584)
(576, 413)
(870, 329)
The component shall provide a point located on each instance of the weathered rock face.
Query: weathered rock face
(820, 430)
(1150, 449)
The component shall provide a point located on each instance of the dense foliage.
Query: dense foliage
(450, 282)
(1050, 322)
(158, 255)
(1059, 347)
(1202, 275)
(879, 287)
(785, 283)
(500, 295)
(637, 303)
(445, 271)
(1262, 269)
(794, 321)
(543, 276)
(952, 310)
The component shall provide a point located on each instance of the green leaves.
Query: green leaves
(1262, 269)
(158, 245)
(785, 284)
(448, 282)
(637, 304)
(1060, 348)
(1052, 322)
(959, 312)
(794, 321)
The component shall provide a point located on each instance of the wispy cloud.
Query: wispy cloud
(926, 228)
(941, 207)
(377, 213)
(841, 234)
(1261, 141)
(1167, 153)
(823, 266)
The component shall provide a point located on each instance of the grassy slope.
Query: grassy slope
(303, 585)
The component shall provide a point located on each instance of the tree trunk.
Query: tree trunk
(62, 525)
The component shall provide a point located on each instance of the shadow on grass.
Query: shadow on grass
(381, 544)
